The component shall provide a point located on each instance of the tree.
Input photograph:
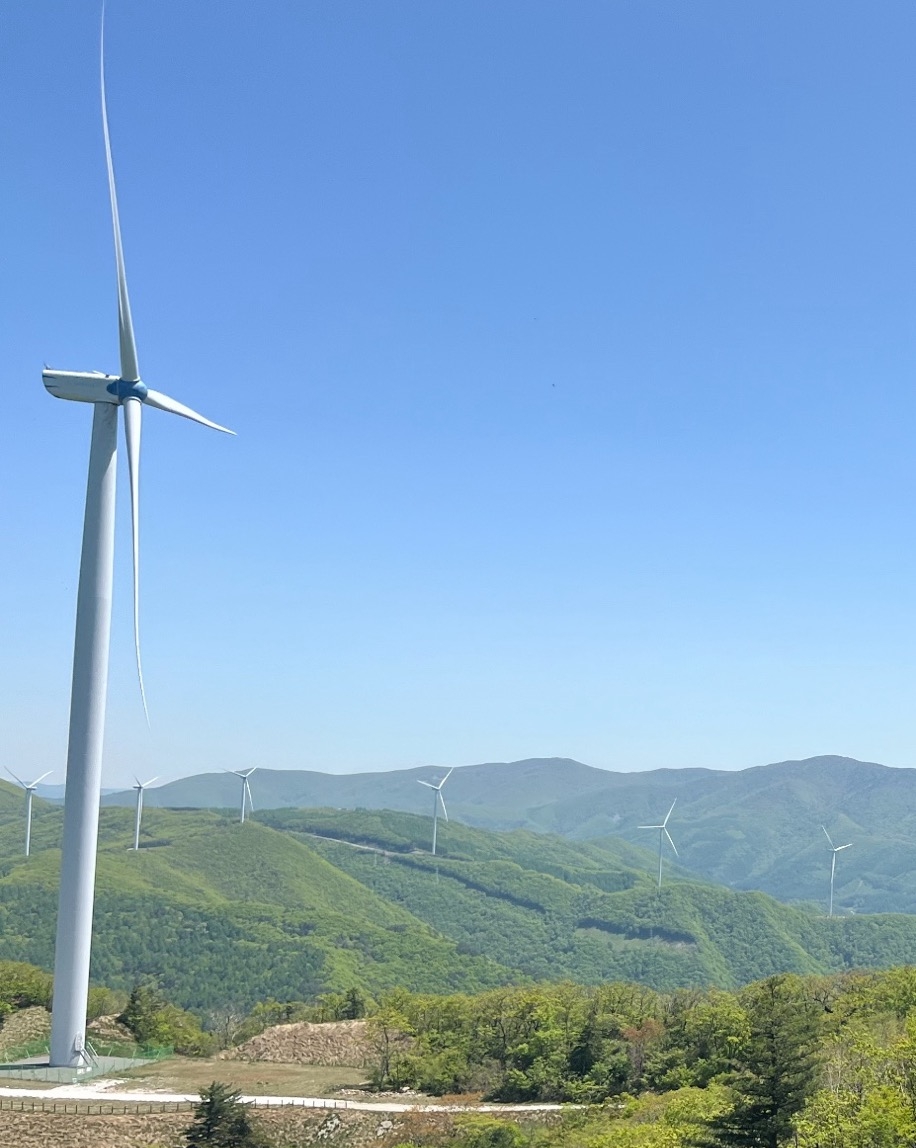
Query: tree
(776, 1068)
(152, 1020)
(221, 1121)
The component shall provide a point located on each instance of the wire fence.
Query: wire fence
(93, 1107)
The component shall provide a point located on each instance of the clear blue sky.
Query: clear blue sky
(570, 348)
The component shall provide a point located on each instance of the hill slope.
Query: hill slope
(298, 902)
(756, 828)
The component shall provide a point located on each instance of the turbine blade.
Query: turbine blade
(163, 403)
(150, 782)
(670, 811)
(650, 827)
(827, 835)
(427, 784)
(447, 776)
(133, 416)
(15, 778)
(129, 367)
(442, 800)
(248, 791)
(671, 843)
(39, 780)
(840, 847)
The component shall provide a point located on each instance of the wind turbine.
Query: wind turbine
(140, 786)
(437, 799)
(834, 850)
(662, 834)
(29, 790)
(89, 688)
(244, 774)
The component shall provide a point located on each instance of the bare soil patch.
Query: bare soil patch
(23, 1027)
(341, 1042)
(292, 1128)
(254, 1078)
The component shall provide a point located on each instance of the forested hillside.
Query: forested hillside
(297, 902)
(754, 828)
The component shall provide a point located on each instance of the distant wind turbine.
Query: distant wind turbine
(437, 800)
(140, 786)
(244, 774)
(834, 849)
(662, 834)
(29, 791)
(106, 393)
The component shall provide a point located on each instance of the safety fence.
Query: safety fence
(92, 1107)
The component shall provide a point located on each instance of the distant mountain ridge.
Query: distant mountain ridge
(756, 828)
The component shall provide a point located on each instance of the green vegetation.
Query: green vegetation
(153, 1021)
(299, 904)
(821, 1062)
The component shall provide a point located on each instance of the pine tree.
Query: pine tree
(776, 1069)
(221, 1121)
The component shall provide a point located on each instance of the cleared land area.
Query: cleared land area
(253, 1078)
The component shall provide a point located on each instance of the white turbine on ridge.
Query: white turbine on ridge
(93, 630)
(662, 834)
(834, 849)
(29, 791)
(437, 799)
(244, 774)
(140, 786)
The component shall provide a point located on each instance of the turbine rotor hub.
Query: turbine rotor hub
(123, 389)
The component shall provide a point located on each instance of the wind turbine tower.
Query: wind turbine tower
(437, 800)
(108, 394)
(834, 849)
(662, 834)
(140, 786)
(244, 774)
(29, 791)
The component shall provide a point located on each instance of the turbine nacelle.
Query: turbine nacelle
(82, 386)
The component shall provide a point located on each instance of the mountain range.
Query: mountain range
(757, 828)
(296, 902)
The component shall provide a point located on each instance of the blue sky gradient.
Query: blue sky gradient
(570, 349)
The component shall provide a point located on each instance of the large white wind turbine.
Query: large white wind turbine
(662, 834)
(834, 849)
(244, 774)
(437, 800)
(29, 791)
(140, 786)
(88, 695)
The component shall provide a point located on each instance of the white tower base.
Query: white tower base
(84, 756)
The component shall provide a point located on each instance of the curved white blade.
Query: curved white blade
(671, 843)
(841, 847)
(428, 784)
(827, 835)
(248, 791)
(670, 811)
(447, 776)
(163, 403)
(650, 827)
(442, 799)
(133, 415)
(129, 367)
(15, 778)
(39, 780)
(146, 784)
